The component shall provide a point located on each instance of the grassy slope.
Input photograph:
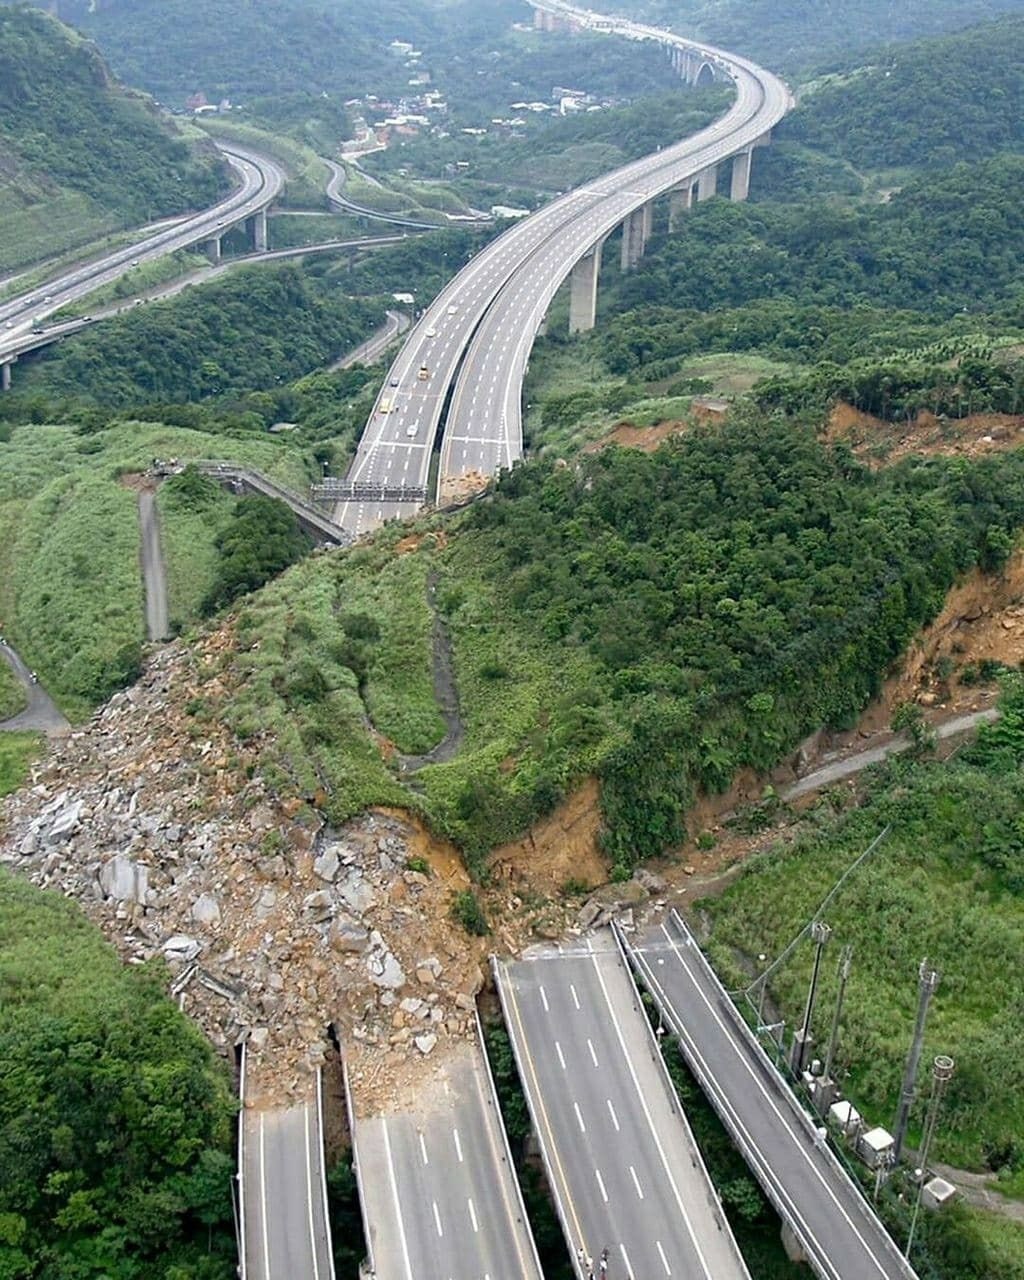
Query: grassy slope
(71, 593)
(81, 155)
(17, 751)
(924, 892)
(12, 693)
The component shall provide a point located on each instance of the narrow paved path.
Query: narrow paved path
(370, 351)
(154, 576)
(840, 769)
(42, 713)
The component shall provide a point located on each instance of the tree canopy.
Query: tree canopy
(115, 1121)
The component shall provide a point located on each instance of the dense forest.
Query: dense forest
(956, 99)
(800, 33)
(935, 245)
(661, 621)
(115, 1120)
(69, 133)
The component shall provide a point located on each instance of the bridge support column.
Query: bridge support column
(794, 1249)
(583, 296)
(707, 184)
(5, 373)
(213, 249)
(739, 188)
(256, 229)
(648, 222)
(542, 328)
(679, 200)
(633, 240)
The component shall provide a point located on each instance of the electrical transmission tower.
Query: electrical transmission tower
(928, 980)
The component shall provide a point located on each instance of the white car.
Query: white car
(411, 430)
(453, 310)
(431, 332)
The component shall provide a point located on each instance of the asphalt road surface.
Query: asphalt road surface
(370, 351)
(838, 770)
(42, 713)
(154, 576)
(490, 312)
(834, 1223)
(286, 1233)
(439, 1196)
(260, 181)
(621, 1160)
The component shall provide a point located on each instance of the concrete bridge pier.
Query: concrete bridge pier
(213, 249)
(679, 200)
(256, 230)
(707, 183)
(583, 291)
(634, 237)
(740, 186)
(5, 373)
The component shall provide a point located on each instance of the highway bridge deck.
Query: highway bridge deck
(285, 1232)
(839, 1232)
(622, 1163)
(440, 1197)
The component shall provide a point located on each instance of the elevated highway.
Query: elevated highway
(622, 1163)
(837, 1230)
(473, 341)
(260, 181)
(439, 1195)
(282, 1192)
(37, 338)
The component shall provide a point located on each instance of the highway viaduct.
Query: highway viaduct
(470, 348)
(260, 182)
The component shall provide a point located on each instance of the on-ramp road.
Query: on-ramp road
(840, 1234)
(261, 180)
(153, 576)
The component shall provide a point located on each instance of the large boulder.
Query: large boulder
(124, 880)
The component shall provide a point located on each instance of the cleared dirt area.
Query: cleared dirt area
(879, 443)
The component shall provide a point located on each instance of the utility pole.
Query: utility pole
(820, 934)
(942, 1071)
(844, 972)
(928, 980)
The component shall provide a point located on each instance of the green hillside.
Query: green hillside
(80, 155)
(957, 98)
(799, 33)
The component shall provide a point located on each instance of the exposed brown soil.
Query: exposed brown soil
(880, 443)
(459, 488)
(646, 439)
(560, 848)
(138, 482)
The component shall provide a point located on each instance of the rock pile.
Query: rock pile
(271, 925)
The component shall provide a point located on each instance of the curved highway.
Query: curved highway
(475, 338)
(261, 180)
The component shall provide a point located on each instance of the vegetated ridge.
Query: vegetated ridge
(83, 156)
(800, 33)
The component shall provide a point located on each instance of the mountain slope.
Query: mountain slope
(798, 33)
(957, 98)
(79, 154)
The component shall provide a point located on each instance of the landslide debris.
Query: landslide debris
(272, 925)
